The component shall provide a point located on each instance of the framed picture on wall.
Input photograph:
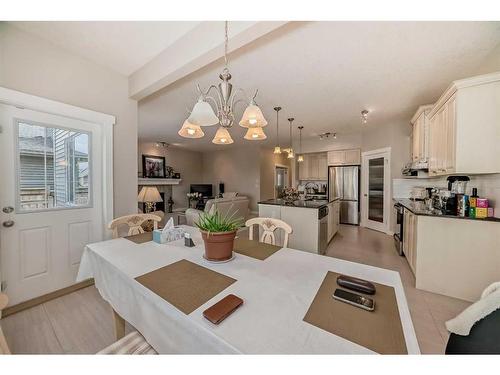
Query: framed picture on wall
(153, 166)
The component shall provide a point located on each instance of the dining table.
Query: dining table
(277, 291)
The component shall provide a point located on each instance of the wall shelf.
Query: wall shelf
(158, 181)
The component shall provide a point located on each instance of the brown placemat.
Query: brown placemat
(185, 284)
(379, 330)
(254, 249)
(141, 238)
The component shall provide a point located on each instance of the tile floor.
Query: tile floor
(81, 322)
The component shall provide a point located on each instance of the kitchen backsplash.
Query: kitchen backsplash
(488, 186)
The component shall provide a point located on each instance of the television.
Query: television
(204, 189)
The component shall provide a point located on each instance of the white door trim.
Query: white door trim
(386, 152)
(36, 103)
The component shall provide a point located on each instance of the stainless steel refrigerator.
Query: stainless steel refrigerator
(343, 183)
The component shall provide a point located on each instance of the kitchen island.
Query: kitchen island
(450, 255)
(314, 222)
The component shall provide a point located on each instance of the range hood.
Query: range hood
(416, 169)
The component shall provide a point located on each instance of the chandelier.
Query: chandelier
(225, 101)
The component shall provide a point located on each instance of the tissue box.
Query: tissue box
(171, 234)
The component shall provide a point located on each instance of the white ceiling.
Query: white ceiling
(325, 73)
(121, 46)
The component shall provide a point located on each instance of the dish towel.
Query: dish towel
(489, 302)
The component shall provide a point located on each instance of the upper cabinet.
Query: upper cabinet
(464, 128)
(344, 157)
(420, 135)
(314, 167)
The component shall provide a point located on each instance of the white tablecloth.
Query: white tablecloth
(277, 293)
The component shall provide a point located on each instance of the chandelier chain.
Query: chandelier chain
(225, 43)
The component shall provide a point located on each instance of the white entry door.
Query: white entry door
(376, 187)
(51, 199)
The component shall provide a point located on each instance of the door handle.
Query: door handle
(8, 223)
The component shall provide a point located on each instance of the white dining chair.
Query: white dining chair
(134, 223)
(269, 226)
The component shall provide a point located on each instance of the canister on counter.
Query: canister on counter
(491, 212)
(472, 212)
(472, 201)
(482, 203)
(481, 212)
(462, 204)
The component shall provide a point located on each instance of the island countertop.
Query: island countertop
(419, 208)
(314, 204)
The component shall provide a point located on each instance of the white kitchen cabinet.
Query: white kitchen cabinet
(314, 167)
(464, 128)
(333, 219)
(410, 239)
(344, 157)
(420, 134)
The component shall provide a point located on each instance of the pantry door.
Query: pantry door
(376, 188)
(53, 199)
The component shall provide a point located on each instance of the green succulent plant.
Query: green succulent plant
(213, 222)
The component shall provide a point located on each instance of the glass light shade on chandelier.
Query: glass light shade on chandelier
(290, 154)
(203, 114)
(222, 137)
(300, 158)
(189, 130)
(277, 150)
(253, 117)
(255, 134)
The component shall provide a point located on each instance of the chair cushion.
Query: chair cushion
(483, 338)
(133, 343)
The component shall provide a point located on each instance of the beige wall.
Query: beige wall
(268, 162)
(34, 66)
(239, 169)
(187, 163)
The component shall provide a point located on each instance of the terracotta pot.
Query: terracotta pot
(218, 246)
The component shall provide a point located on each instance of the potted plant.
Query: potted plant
(218, 232)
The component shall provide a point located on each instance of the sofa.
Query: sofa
(237, 206)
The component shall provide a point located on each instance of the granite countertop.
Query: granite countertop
(315, 204)
(419, 208)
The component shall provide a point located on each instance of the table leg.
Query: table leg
(119, 325)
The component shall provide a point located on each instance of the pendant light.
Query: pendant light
(222, 137)
(290, 149)
(277, 148)
(255, 134)
(203, 113)
(300, 158)
(189, 130)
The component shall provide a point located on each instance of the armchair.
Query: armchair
(237, 205)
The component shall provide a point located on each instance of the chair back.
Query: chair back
(134, 223)
(269, 226)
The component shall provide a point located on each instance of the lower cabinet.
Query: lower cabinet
(333, 219)
(410, 239)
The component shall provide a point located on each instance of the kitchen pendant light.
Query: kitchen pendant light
(277, 148)
(189, 130)
(290, 149)
(300, 158)
(255, 134)
(223, 102)
(222, 137)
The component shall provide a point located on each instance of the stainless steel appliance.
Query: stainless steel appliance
(398, 236)
(343, 183)
(323, 229)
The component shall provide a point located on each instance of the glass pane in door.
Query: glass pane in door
(53, 168)
(376, 189)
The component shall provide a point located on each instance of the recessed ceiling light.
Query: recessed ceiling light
(364, 116)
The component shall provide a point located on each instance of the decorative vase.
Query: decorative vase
(219, 245)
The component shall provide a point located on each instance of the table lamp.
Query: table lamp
(149, 195)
